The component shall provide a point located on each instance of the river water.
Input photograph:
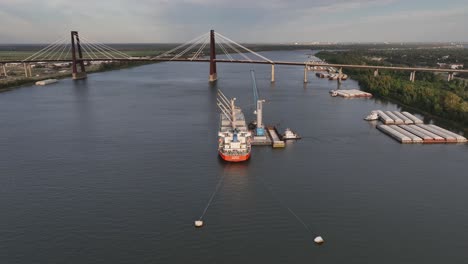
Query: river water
(116, 168)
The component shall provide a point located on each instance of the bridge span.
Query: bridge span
(79, 48)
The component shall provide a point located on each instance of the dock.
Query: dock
(261, 141)
(277, 142)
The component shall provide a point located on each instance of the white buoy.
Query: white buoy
(319, 240)
(198, 223)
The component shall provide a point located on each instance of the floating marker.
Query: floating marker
(198, 223)
(319, 240)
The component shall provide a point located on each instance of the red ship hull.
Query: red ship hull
(234, 158)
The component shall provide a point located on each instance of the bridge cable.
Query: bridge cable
(87, 49)
(109, 48)
(200, 49)
(187, 49)
(245, 48)
(102, 51)
(51, 51)
(68, 52)
(225, 51)
(236, 50)
(108, 55)
(61, 52)
(43, 49)
(181, 46)
(54, 50)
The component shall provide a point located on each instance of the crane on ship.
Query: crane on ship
(260, 129)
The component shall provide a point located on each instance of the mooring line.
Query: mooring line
(284, 205)
(213, 195)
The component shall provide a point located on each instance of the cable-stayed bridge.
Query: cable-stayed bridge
(78, 50)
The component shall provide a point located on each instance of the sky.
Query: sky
(248, 21)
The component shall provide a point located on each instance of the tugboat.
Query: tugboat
(289, 134)
(372, 116)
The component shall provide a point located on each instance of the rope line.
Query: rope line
(221, 179)
(284, 205)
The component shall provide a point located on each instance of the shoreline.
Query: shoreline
(16, 84)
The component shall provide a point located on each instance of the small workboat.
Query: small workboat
(289, 134)
(372, 116)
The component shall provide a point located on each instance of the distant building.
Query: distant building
(456, 66)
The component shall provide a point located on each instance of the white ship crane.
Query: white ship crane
(260, 130)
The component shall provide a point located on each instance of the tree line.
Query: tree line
(430, 92)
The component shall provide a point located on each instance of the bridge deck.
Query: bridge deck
(290, 63)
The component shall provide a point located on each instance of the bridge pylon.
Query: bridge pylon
(213, 74)
(76, 48)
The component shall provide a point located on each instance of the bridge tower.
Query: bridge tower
(75, 46)
(213, 74)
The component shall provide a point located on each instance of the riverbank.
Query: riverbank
(430, 94)
(8, 85)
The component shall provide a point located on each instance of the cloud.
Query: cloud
(242, 20)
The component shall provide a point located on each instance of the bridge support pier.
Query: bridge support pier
(272, 73)
(450, 76)
(27, 70)
(412, 76)
(4, 70)
(213, 73)
(305, 74)
(75, 74)
(340, 74)
(376, 72)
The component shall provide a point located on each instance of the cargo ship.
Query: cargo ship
(234, 137)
